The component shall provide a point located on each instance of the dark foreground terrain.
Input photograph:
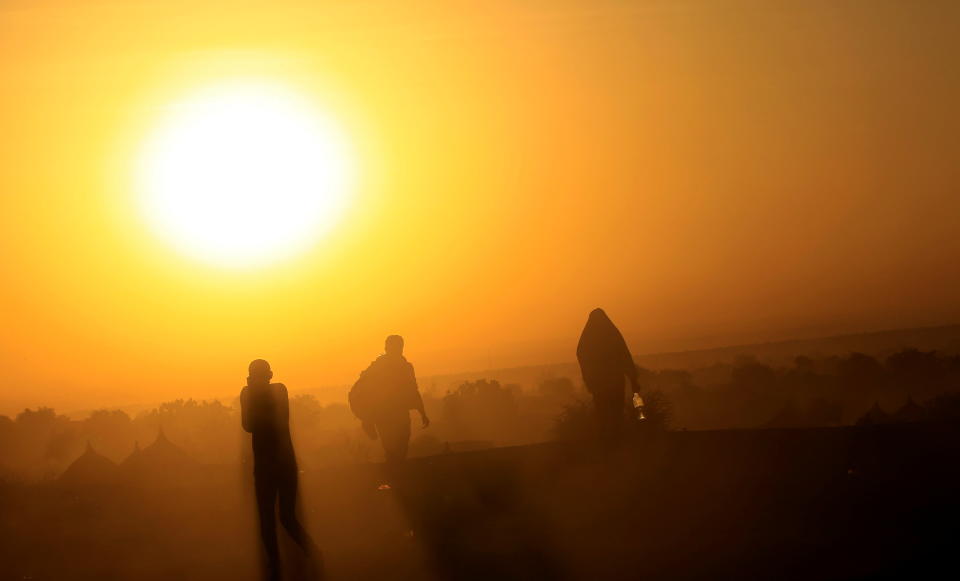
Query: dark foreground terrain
(832, 503)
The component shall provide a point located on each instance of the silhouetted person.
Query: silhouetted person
(383, 397)
(265, 414)
(605, 363)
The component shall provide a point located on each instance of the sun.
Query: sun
(241, 173)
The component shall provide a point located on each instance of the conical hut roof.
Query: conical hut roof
(90, 468)
(787, 417)
(910, 412)
(160, 461)
(134, 456)
(874, 416)
(164, 452)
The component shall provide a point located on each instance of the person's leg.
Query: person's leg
(395, 435)
(402, 437)
(617, 417)
(266, 492)
(288, 513)
(386, 432)
(609, 413)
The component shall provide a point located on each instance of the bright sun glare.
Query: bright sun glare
(244, 173)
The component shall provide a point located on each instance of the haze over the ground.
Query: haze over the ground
(710, 173)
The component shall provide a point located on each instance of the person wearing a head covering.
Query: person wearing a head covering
(382, 399)
(606, 366)
(265, 413)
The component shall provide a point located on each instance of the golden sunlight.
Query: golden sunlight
(243, 173)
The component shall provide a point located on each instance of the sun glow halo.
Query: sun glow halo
(244, 173)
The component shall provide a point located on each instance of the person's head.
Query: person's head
(598, 314)
(393, 345)
(259, 370)
(599, 324)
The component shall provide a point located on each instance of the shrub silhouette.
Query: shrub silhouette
(482, 410)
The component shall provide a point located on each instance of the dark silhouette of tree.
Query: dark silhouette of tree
(206, 429)
(754, 394)
(575, 422)
(326, 434)
(482, 410)
(646, 377)
(110, 431)
(679, 380)
(951, 370)
(752, 376)
(822, 412)
(804, 364)
(860, 374)
(804, 380)
(307, 407)
(657, 410)
(42, 441)
(7, 433)
(60, 446)
(944, 407)
(556, 388)
(916, 372)
(43, 419)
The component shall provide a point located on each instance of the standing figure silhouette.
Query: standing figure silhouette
(382, 399)
(605, 363)
(265, 412)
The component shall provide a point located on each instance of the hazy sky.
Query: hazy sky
(709, 172)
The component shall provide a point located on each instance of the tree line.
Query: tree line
(39, 443)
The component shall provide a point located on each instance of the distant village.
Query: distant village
(160, 461)
(907, 386)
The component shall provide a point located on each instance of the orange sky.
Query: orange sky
(709, 173)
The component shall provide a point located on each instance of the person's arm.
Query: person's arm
(630, 368)
(283, 407)
(417, 398)
(245, 412)
(423, 414)
(632, 376)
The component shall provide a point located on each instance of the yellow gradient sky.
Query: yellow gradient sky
(709, 172)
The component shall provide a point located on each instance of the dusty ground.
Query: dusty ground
(838, 503)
